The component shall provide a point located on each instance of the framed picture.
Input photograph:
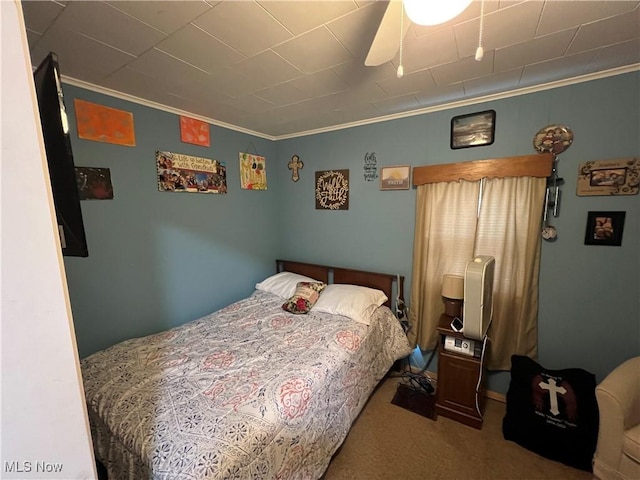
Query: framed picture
(395, 177)
(604, 228)
(620, 176)
(332, 190)
(94, 183)
(473, 130)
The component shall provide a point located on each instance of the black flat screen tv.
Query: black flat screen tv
(55, 130)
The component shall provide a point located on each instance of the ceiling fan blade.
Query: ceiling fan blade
(386, 43)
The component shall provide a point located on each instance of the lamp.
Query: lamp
(452, 294)
(434, 12)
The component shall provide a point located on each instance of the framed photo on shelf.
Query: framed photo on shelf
(473, 130)
(604, 228)
(395, 177)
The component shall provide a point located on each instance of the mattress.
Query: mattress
(248, 392)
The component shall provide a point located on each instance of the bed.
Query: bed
(251, 391)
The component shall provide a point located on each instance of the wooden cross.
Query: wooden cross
(295, 164)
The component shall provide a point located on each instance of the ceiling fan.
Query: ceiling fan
(398, 18)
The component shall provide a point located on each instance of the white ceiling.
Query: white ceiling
(281, 68)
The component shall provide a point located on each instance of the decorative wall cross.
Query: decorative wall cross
(295, 164)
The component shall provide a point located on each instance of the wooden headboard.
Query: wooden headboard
(327, 274)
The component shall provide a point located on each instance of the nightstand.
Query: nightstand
(459, 376)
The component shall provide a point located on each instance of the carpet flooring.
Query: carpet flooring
(388, 442)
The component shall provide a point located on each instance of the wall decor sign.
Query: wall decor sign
(294, 165)
(609, 177)
(94, 183)
(184, 173)
(395, 178)
(332, 190)
(104, 124)
(194, 131)
(253, 171)
(604, 228)
(473, 130)
(370, 167)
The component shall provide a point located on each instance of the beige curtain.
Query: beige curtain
(446, 217)
(509, 229)
(457, 220)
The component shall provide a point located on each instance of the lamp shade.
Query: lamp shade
(453, 287)
(434, 12)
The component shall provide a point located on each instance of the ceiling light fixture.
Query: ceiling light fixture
(434, 12)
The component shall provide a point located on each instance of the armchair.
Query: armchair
(617, 455)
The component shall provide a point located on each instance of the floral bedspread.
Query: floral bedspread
(248, 392)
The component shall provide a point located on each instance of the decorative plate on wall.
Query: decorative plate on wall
(553, 139)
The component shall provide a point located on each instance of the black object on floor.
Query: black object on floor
(415, 400)
(553, 413)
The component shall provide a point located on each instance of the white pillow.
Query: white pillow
(282, 284)
(353, 301)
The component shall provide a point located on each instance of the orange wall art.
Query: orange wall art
(194, 131)
(103, 124)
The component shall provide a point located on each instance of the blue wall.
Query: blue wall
(159, 259)
(589, 295)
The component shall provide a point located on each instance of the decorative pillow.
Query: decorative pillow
(353, 301)
(305, 297)
(283, 284)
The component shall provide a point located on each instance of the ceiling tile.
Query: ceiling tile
(313, 51)
(502, 28)
(355, 73)
(411, 83)
(39, 15)
(367, 94)
(320, 83)
(558, 69)
(325, 103)
(83, 58)
(300, 17)
(250, 103)
(430, 50)
(231, 82)
(267, 69)
(157, 64)
(163, 15)
(465, 69)
(233, 23)
(607, 32)
(534, 51)
(439, 95)
(502, 81)
(402, 103)
(563, 15)
(619, 55)
(196, 47)
(282, 94)
(353, 114)
(102, 22)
